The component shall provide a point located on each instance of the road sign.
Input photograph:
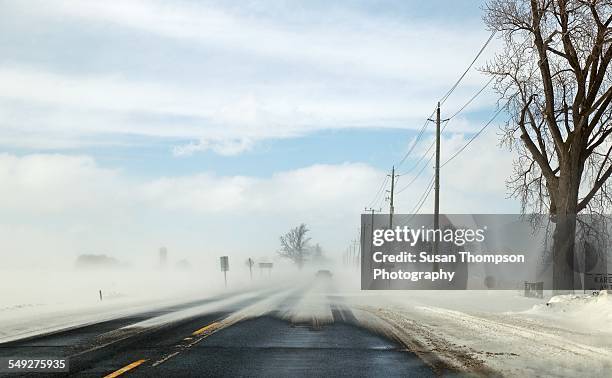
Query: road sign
(224, 263)
(225, 267)
(266, 265)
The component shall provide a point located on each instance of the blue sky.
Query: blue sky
(148, 96)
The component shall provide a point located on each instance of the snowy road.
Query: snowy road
(323, 329)
(279, 332)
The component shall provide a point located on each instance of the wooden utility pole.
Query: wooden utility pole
(372, 211)
(437, 187)
(371, 231)
(391, 209)
(437, 184)
(356, 251)
(345, 256)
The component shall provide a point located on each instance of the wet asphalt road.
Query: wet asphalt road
(269, 347)
(263, 346)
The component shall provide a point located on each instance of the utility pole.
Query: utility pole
(437, 182)
(437, 185)
(371, 229)
(391, 209)
(345, 256)
(349, 253)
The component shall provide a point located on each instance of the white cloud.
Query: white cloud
(62, 205)
(57, 206)
(87, 106)
(53, 184)
(473, 182)
(209, 78)
(247, 78)
(370, 46)
(225, 147)
(310, 192)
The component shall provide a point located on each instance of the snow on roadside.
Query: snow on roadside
(420, 339)
(532, 342)
(18, 322)
(32, 321)
(585, 312)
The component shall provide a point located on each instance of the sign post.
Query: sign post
(225, 267)
(250, 264)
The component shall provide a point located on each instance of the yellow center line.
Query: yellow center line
(208, 328)
(125, 369)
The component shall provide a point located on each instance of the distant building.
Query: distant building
(87, 261)
(163, 257)
(183, 265)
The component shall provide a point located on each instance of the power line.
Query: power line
(421, 200)
(491, 120)
(416, 164)
(427, 192)
(423, 128)
(380, 201)
(475, 135)
(452, 89)
(416, 140)
(472, 98)
(444, 98)
(379, 192)
(417, 175)
(430, 186)
(449, 119)
(462, 108)
(425, 196)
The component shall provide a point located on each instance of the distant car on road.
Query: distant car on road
(324, 273)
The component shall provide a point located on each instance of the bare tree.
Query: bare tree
(553, 75)
(294, 245)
